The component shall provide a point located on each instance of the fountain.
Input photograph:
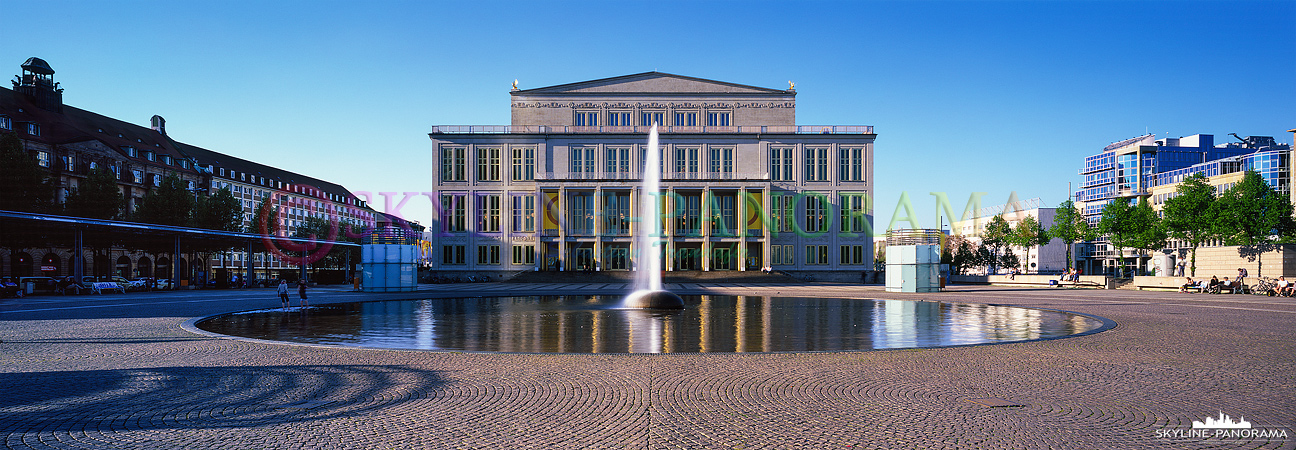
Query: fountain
(648, 291)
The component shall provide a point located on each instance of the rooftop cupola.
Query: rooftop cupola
(37, 82)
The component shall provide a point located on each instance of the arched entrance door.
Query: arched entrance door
(102, 266)
(123, 267)
(144, 267)
(22, 265)
(163, 267)
(50, 265)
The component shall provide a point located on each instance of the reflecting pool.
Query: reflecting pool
(596, 324)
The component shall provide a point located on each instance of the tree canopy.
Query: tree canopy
(1070, 225)
(97, 197)
(24, 185)
(167, 204)
(1191, 214)
(1254, 217)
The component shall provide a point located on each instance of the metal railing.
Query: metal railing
(569, 129)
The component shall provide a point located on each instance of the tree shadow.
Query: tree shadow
(204, 397)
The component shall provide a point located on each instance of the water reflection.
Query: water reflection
(708, 324)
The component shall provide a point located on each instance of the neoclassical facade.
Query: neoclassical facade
(744, 187)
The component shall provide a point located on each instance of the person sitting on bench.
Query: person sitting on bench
(1189, 285)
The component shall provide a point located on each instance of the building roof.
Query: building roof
(76, 125)
(652, 82)
(37, 65)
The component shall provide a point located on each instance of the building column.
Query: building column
(740, 222)
(598, 228)
(707, 211)
(563, 264)
(766, 235)
(247, 264)
(669, 229)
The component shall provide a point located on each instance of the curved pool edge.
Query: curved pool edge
(191, 325)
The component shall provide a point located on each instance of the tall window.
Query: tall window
(616, 213)
(648, 118)
(854, 210)
(816, 214)
(488, 255)
(452, 254)
(523, 254)
(523, 164)
(488, 213)
(617, 160)
(784, 207)
(852, 254)
(689, 207)
(850, 164)
(488, 164)
(686, 119)
(581, 207)
(69, 163)
(723, 221)
(452, 164)
(619, 119)
(686, 160)
(6, 123)
(816, 164)
(782, 254)
(43, 159)
(781, 164)
(718, 119)
(582, 159)
(523, 212)
(816, 254)
(587, 118)
(453, 213)
(721, 160)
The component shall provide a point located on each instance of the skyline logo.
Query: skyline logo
(1223, 428)
(1224, 421)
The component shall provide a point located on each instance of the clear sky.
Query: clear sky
(966, 96)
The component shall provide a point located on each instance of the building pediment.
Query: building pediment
(651, 83)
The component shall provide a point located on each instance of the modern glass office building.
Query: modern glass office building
(1145, 167)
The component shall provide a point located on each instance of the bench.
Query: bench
(99, 286)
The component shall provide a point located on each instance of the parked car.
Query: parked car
(163, 283)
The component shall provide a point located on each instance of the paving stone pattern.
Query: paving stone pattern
(120, 372)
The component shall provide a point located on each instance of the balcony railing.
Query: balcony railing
(548, 176)
(564, 129)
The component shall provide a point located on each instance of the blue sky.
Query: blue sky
(965, 96)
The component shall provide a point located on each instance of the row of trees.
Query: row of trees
(1250, 215)
(28, 187)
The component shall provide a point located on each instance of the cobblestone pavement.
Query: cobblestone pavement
(120, 372)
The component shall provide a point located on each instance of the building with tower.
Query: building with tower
(69, 143)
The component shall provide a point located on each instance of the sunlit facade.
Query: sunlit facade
(744, 187)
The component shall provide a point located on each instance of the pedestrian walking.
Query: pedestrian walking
(301, 291)
(283, 293)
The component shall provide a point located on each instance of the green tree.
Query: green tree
(318, 229)
(964, 258)
(219, 211)
(997, 234)
(167, 204)
(97, 197)
(1117, 224)
(1254, 217)
(1028, 233)
(1008, 259)
(1191, 215)
(24, 185)
(1070, 225)
(1150, 234)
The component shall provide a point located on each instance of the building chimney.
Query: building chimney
(158, 124)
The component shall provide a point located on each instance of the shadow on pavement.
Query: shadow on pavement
(203, 397)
